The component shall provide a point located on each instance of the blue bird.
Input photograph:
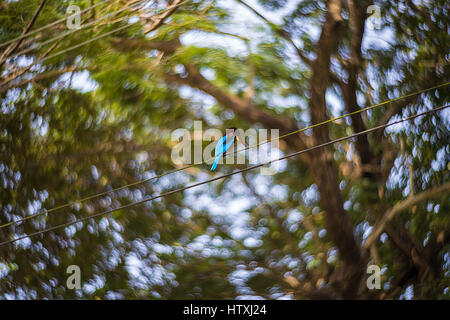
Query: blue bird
(224, 144)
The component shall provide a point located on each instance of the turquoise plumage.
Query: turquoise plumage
(221, 147)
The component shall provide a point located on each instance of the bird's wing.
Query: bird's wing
(220, 145)
(228, 145)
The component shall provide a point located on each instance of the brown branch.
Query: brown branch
(357, 19)
(194, 79)
(159, 19)
(423, 13)
(168, 47)
(392, 110)
(40, 77)
(241, 106)
(13, 46)
(397, 107)
(20, 72)
(403, 205)
(338, 224)
(280, 31)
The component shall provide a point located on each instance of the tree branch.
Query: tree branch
(356, 23)
(399, 207)
(283, 33)
(18, 73)
(159, 19)
(13, 46)
(338, 224)
(423, 13)
(241, 106)
(40, 77)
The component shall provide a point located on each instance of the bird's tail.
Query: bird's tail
(214, 166)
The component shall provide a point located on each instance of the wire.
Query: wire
(348, 114)
(224, 176)
(208, 160)
(50, 25)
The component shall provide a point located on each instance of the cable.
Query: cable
(50, 25)
(206, 161)
(65, 34)
(225, 175)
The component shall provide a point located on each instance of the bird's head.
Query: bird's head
(233, 131)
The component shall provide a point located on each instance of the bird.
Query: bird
(224, 144)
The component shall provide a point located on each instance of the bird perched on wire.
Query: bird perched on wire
(224, 144)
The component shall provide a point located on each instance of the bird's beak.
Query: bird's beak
(239, 140)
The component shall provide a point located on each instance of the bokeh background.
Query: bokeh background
(75, 122)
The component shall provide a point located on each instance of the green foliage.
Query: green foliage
(60, 143)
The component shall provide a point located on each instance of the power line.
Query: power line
(50, 25)
(224, 176)
(206, 161)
